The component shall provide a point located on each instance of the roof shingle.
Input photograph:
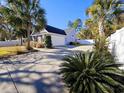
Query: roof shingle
(52, 29)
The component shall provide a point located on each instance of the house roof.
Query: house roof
(52, 29)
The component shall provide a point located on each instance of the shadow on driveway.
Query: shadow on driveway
(33, 75)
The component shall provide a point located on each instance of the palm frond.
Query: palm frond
(86, 73)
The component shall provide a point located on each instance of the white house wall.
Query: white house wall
(117, 45)
(58, 40)
(71, 36)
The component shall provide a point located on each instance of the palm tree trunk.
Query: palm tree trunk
(28, 37)
(10, 34)
(21, 41)
(101, 27)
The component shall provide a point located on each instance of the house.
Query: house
(71, 35)
(116, 45)
(57, 35)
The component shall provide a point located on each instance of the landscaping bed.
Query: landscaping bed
(12, 50)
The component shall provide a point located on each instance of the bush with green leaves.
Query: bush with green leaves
(89, 73)
(101, 49)
(101, 44)
(48, 42)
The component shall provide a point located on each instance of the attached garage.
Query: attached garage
(58, 40)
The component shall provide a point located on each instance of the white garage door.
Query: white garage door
(58, 40)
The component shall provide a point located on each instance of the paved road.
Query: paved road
(35, 72)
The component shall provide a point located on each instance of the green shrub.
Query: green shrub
(48, 42)
(101, 49)
(2, 39)
(101, 44)
(39, 45)
(89, 73)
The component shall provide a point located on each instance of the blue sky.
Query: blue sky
(59, 12)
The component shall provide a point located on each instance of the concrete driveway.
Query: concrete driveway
(35, 72)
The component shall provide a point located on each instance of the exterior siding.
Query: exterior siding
(58, 40)
(71, 36)
(116, 45)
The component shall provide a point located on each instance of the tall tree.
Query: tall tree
(31, 14)
(6, 19)
(104, 10)
(89, 31)
(77, 24)
(27, 15)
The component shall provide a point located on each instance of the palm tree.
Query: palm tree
(31, 15)
(5, 20)
(89, 31)
(20, 34)
(90, 73)
(3, 35)
(104, 10)
(28, 15)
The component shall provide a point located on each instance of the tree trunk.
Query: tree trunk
(28, 37)
(10, 35)
(101, 27)
(21, 41)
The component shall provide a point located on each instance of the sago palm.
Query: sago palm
(88, 73)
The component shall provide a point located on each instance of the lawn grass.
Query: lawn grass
(6, 51)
